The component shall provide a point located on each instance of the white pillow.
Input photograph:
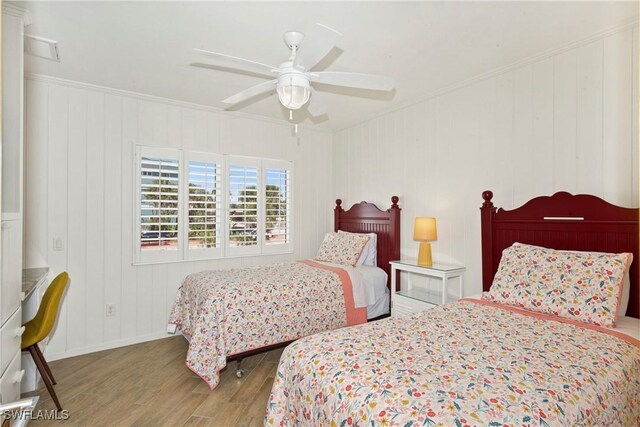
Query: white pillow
(369, 255)
(624, 299)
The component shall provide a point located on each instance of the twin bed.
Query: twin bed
(480, 362)
(231, 314)
(520, 355)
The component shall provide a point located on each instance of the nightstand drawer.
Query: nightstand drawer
(403, 305)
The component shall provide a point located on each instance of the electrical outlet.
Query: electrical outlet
(110, 310)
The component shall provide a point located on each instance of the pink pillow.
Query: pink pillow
(582, 286)
(342, 248)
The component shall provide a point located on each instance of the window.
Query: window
(277, 196)
(158, 201)
(204, 205)
(193, 205)
(243, 205)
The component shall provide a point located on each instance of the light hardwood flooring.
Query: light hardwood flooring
(149, 385)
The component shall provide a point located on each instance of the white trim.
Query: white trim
(107, 346)
(221, 258)
(152, 98)
(624, 25)
(13, 10)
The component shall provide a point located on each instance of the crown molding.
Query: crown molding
(14, 10)
(623, 26)
(152, 98)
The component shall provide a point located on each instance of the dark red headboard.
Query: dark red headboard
(365, 217)
(604, 228)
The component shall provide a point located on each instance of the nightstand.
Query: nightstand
(413, 297)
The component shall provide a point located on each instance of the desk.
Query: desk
(32, 278)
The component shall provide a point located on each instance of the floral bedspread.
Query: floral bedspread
(462, 364)
(225, 312)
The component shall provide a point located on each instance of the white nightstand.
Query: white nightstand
(413, 297)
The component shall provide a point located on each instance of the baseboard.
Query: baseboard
(106, 346)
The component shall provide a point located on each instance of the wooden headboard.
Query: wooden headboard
(365, 217)
(562, 221)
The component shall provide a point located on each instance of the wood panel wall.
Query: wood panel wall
(79, 187)
(566, 122)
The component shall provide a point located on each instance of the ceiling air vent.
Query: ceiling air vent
(41, 47)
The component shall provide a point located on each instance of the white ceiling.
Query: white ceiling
(145, 47)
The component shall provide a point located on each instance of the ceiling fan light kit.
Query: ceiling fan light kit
(293, 90)
(294, 78)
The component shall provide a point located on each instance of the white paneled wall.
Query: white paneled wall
(79, 187)
(567, 122)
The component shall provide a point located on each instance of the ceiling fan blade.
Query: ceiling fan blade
(316, 107)
(251, 92)
(238, 63)
(355, 80)
(317, 43)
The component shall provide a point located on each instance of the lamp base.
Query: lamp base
(424, 255)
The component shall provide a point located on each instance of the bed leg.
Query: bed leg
(239, 370)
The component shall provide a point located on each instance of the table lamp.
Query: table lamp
(425, 231)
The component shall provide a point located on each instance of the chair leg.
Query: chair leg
(45, 377)
(44, 362)
(34, 355)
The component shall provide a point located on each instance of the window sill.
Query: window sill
(143, 263)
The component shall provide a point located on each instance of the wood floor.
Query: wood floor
(148, 384)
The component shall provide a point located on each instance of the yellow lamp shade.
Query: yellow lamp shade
(425, 230)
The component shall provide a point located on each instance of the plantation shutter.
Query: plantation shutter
(204, 205)
(158, 202)
(277, 206)
(244, 229)
(192, 205)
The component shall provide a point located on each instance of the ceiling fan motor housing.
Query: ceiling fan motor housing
(293, 39)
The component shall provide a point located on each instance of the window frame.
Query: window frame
(224, 250)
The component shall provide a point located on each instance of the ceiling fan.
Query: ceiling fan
(293, 79)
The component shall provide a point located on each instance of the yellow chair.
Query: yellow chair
(40, 327)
